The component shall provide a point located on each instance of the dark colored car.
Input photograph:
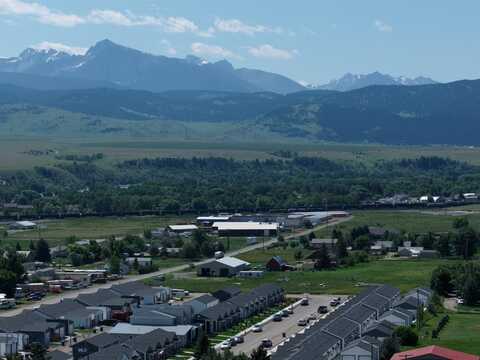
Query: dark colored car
(323, 309)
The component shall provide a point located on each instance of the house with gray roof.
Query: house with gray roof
(362, 349)
(376, 302)
(202, 303)
(392, 294)
(226, 293)
(248, 303)
(362, 315)
(380, 330)
(80, 316)
(107, 301)
(410, 304)
(162, 315)
(398, 317)
(345, 329)
(145, 294)
(219, 317)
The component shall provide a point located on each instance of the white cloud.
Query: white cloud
(382, 26)
(169, 49)
(199, 48)
(46, 15)
(73, 50)
(40, 12)
(237, 26)
(270, 52)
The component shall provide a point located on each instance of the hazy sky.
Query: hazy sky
(307, 40)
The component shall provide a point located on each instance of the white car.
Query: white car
(257, 328)
(225, 345)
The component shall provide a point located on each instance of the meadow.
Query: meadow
(404, 274)
(57, 230)
(15, 152)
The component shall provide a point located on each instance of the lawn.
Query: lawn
(404, 274)
(408, 221)
(55, 231)
(462, 332)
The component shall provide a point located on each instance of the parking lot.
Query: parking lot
(274, 330)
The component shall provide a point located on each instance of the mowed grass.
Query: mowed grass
(462, 333)
(408, 221)
(404, 274)
(55, 231)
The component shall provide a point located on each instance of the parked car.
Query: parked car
(285, 313)
(257, 328)
(290, 310)
(226, 345)
(277, 317)
(312, 317)
(239, 339)
(334, 303)
(266, 343)
(304, 302)
(302, 322)
(323, 309)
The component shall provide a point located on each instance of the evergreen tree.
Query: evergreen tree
(42, 253)
(341, 248)
(115, 264)
(390, 347)
(18, 247)
(31, 246)
(39, 352)
(471, 291)
(202, 347)
(323, 260)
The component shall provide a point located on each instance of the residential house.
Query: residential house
(410, 304)
(380, 330)
(380, 232)
(392, 294)
(398, 317)
(424, 295)
(12, 343)
(248, 303)
(269, 294)
(95, 344)
(224, 267)
(377, 303)
(162, 315)
(362, 315)
(410, 251)
(434, 353)
(344, 329)
(429, 254)
(226, 293)
(362, 349)
(36, 327)
(202, 303)
(219, 317)
(309, 346)
(146, 294)
(108, 301)
(79, 316)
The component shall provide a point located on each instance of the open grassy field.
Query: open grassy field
(405, 274)
(16, 153)
(461, 333)
(408, 221)
(56, 231)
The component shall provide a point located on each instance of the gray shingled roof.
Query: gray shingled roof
(206, 299)
(388, 291)
(103, 297)
(375, 301)
(58, 355)
(219, 311)
(359, 313)
(305, 348)
(342, 327)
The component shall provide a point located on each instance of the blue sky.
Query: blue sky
(308, 40)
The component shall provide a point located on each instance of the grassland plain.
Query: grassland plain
(16, 152)
(405, 274)
(55, 231)
(409, 221)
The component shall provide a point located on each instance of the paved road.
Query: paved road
(274, 330)
(73, 294)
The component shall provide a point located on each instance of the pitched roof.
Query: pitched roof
(359, 313)
(279, 260)
(441, 352)
(226, 292)
(27, 320)
(219, 311)
(388, 291)
(64, 308)
(206, 299)
(102, 340)
(342, 327)
(375, 301)
(304, 347)
(103, 297)
(243, 299)
(267, 290)
(383, 327)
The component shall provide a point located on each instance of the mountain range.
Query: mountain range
(426, 114)
(114, 65)
(356, 81)
(107, 64)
